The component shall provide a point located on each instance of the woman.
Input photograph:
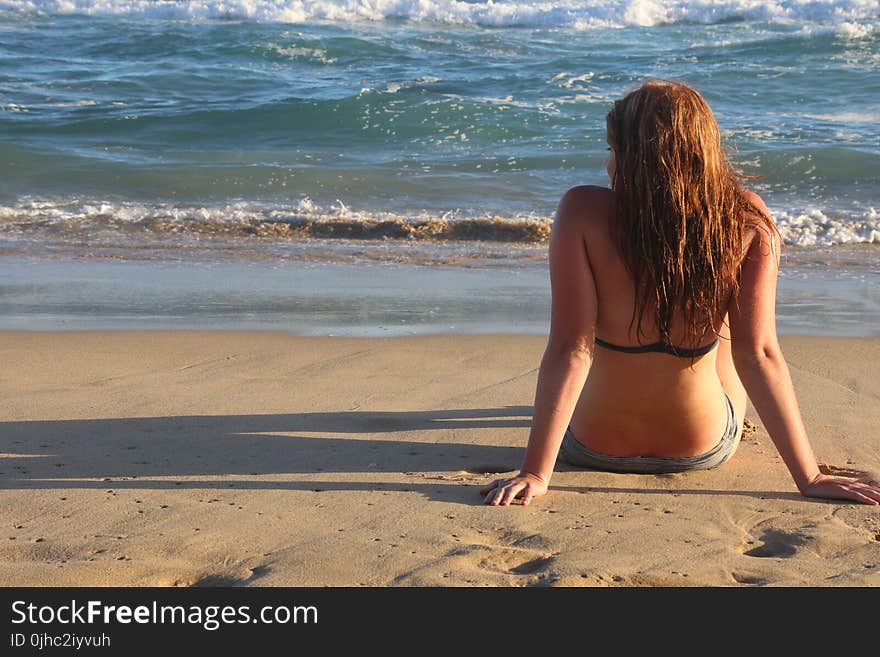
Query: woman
(663, 290)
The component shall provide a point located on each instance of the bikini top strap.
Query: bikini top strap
(659, 347)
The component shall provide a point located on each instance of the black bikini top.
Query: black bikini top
(660, 347)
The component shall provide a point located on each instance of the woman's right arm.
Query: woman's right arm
(764, 373)
(567, 358)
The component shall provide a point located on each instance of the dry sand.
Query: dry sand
(202, 458)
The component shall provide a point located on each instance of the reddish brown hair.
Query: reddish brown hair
(681, 209)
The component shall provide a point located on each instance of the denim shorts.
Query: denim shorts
(574, 453)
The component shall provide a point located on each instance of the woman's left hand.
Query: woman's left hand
(524, 486)
(842, 488)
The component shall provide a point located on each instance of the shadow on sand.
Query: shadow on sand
(148, 453)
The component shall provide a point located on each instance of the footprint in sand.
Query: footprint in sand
(777, 543)
(490, 556)
(533, 566)
(748, 579)
(513, 562)
(224, 579)
(517, 553)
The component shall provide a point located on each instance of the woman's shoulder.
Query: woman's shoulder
(761, 236)
(758, 219)
(584, 202)
(586, 193)
(755, 204)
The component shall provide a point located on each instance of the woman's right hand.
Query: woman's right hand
(524, 486)
(842, 488)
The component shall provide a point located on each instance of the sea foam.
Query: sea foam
(73, 218)
(852, 18)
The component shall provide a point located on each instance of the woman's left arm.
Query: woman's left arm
(567, 358)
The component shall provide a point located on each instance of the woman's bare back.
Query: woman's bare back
(650, 404)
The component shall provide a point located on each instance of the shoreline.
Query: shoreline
(372, 300)
(185, 458)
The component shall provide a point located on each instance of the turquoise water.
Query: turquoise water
(428, 133)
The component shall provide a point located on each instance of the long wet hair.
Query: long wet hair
(681, 210)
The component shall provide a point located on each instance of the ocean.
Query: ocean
(385, 167)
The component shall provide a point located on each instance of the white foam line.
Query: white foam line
(852, 18)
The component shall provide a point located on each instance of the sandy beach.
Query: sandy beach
(184, 458)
